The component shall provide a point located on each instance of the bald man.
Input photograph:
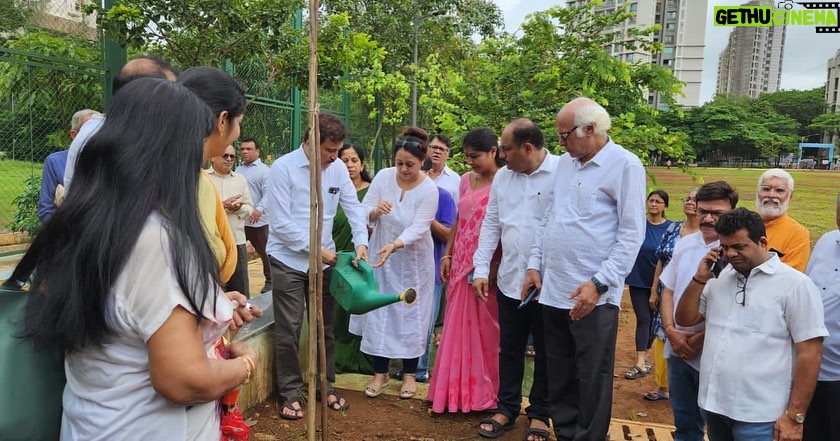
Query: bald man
(141, 67)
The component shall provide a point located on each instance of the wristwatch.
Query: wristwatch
(599, 286)
(797, 418)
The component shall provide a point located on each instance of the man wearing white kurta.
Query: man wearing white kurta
(287, 205)
(583, 250)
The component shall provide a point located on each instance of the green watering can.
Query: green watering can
(356, 290)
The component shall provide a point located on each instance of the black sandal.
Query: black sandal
(335, 404)
(498, 428)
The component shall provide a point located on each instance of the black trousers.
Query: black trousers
(239, 279)
(822, 421)
(258, 236)
(580, 358)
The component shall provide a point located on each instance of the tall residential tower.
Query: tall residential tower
(751, 64)
(683, 34)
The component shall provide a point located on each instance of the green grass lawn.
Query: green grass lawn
(12, 175)
(813, 204)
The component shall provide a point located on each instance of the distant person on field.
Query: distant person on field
(256, 225)
(787, 237)
(52, 178)
(822, 420)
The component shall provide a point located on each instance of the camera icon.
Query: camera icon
(786, 4)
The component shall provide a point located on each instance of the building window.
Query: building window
(669, 39)
(668, 51)
(668, 63)
(671, 15)
(634, 7)
(630, 58)
(670, 26)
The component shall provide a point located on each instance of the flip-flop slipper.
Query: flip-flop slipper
(296, 413)
(498, 428)
(336, 405)
(655, 396)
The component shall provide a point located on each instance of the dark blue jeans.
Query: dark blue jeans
(514, 326)
(683, 386)
(723, 428)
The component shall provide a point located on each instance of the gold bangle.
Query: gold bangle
(248, 372)
(448, 256)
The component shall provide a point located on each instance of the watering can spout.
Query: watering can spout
(356, 290)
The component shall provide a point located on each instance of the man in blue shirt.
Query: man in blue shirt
(53, 175)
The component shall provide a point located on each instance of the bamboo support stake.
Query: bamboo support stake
(316, 215)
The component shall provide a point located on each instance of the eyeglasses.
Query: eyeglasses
(439, 149)
(741, 295)
(689, 199)
(715, 214)
(565, 135)
(229, 156)
(772, 190)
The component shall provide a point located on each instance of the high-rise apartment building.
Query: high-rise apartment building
(682, 33)
(751, 63)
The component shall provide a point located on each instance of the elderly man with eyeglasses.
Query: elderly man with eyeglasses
(685, 343)
(236, 198)
(787, 237)
(764, 329)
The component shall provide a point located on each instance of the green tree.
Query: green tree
(558, 57)
(39, 102)
(801, 105)
(828, 122)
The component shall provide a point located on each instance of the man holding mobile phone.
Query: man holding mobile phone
(757, 307)
(685, 343)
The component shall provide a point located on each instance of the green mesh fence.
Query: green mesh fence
(50, 67)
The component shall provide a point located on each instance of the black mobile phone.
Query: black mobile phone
(528, 298)
(719, 265)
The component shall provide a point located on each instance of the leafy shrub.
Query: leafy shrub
(26, 211)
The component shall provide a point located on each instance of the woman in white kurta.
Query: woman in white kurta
(402, 202)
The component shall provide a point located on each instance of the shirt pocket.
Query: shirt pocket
(586, 198)
(759, 318)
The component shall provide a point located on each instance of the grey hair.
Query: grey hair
(76, 120)
(589, 113)
(777, 173)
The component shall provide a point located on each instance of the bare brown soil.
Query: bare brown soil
(390, 418)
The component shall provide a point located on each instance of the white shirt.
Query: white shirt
(228, 186)
(257, 175)
(109, 393)
(594, 226)
(747, 366)
(449, 181)
(287, 204)
(87, 130)
(824, 271)
(517, 205)
(688, 252)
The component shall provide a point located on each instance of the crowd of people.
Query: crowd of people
(141, 266)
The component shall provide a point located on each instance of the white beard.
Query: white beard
(771, 208)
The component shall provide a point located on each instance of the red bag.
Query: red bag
(233, 422)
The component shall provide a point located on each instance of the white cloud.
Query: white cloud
(805, 55)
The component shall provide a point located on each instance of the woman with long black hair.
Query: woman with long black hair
(126, 283)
